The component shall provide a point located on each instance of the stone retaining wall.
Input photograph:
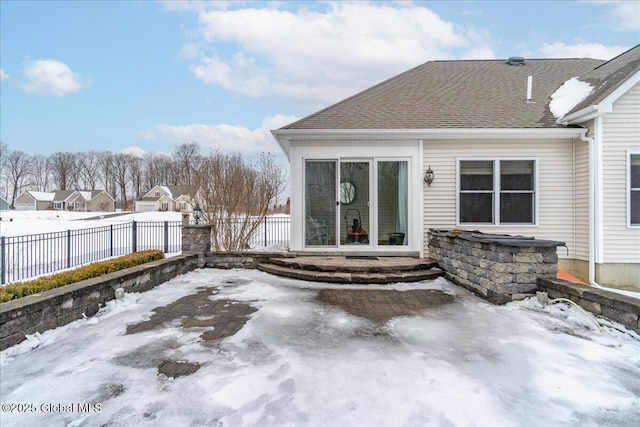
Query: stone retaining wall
(499, 269)
(612, 305)
(57, 307)
(228, 260)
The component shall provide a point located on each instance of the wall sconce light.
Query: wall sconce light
(429, 176)
(196, 214)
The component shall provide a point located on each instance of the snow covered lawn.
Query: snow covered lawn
(298, 361)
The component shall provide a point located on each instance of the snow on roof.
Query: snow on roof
(42, 196)
(570, 94)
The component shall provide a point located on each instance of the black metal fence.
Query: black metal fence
(24, 257)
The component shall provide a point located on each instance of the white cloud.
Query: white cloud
(624, 14)
(136, 151)
(4, 75)
(51, 77)
(317, 57)
(227, 137)
(580, 50)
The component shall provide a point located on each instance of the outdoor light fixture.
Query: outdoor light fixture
(196, 214)
(429, 176)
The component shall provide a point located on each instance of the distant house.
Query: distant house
(83, 200)
(166, 198)
(4, 205)
(544, 147)
(34, 201)
(70, 200)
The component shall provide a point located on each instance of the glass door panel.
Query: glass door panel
(320, 203)
(393, 193)
(354, 203)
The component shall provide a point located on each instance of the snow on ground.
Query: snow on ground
(570, 94)
(20, 223)
(298, 361)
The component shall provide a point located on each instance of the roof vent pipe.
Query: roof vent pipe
(529, 89)
(515, 60)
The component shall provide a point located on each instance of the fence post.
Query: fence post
(166, 237)
(3, 254)
(111, 240)
(265, 231)
(68, 248)
(134, 236)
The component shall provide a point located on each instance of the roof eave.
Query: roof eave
(285, 136)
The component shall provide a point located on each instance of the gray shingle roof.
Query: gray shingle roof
(454, 94)
(609, 76)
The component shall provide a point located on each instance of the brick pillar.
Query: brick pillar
(196, 238)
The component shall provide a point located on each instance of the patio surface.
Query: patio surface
(241, 347)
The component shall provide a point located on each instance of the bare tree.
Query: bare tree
(63, 170)
(4, 181)
(136, 173)
(41, 173)
(105, 171)
(235, 196)
(187, 158)
(18, 166)
(121, 172)
(88, 165)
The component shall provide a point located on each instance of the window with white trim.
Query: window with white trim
(634, 189)
(497, 191)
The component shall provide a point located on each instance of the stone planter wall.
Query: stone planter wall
(228, 260)
(612, 305)
(497, 268)
(196, 239)
(57, 307)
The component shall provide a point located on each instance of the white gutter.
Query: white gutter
(595, 199)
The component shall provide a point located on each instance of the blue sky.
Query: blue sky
(147, 76)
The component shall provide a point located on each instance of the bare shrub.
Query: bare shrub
(235, 195)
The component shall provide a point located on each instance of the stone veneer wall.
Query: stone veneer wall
(196, 239)
(495, 271)
(227, 260)
(612, 305)
(57, 307)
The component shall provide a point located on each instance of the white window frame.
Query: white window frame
(630, 189)
(57, 206)
(496, 192)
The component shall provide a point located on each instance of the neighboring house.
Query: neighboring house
(166, 198)
(83, 200)
(500, 159)
(70, 200)
(34, 200)
(4, 205)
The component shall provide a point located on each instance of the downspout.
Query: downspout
(595, 195)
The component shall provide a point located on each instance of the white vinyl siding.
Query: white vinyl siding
(620, 135)
(555, 185)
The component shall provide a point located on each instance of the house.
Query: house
(78, 200)
(548, 148)
(83, 200)
(4, 205)
(166, 198)
(34, 200)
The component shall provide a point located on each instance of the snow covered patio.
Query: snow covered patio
(241, 347)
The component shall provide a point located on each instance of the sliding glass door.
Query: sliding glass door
(320, 202)
(356, 203)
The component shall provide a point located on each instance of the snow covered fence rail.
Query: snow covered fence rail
(24, 257)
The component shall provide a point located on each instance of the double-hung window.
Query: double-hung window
(634, 189)
(497, 191)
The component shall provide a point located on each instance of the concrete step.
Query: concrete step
(331, 264)
(343, 277)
